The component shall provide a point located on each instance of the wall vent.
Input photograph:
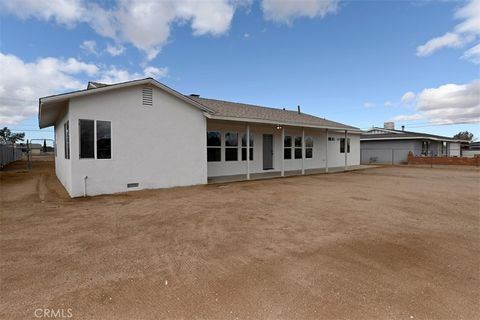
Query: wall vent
(132, 185)
(147, 96)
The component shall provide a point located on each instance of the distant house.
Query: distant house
(35, 148)
(472, 149)
(142, 134)
(390, 146)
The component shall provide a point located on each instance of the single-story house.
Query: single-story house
(142, 134)
(390, 146)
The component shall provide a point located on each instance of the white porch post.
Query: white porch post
(346, 150)
(282, 152)
(303, 150)
(326, 150)
(248, 151)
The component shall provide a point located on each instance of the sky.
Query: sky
(357, 62)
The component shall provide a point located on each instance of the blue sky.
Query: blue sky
(356, 62)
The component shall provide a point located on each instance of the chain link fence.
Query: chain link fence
(384, 156)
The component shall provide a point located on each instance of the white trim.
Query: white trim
(303, 150)
(147, 81)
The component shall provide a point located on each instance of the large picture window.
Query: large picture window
(66, 135)
(214, 143)
(231, 146)
(342, 145)
(308, 147)
(244, 147)
(287, 147)
(87, 139)
(104, 140)
(298, 147)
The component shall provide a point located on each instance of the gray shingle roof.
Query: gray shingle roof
(248, 111)
(398, 134)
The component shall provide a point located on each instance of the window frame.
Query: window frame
(288, 148)
(298, 149)
(80, 140)
(219, 147)
(309, 148)
(66, 139)
(229, 148)
(243, 148)
(95, 152)
(96, 140)
(342, 142)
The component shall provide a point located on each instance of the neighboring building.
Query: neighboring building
(35, 148)
(472, 149)
(142, 134)
(389, 146)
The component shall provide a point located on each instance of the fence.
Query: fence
(384, 156)
(9, 153)
(444, 160)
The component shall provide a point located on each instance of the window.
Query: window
(244, 147)
(308, 147)
(214, 142)
(342, 145)
(287, 147)
(87, 139)
(298, 147)
(66, 135)
(331, 139)
(104, 140)
(444, 148)
(231, 146)
(425, 147)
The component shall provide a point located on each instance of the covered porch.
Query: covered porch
(240, 150)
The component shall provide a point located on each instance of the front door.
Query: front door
(267, 151)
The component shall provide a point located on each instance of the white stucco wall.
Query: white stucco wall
(62, 165)
(157, 146)
(335, 158)
(454, 149)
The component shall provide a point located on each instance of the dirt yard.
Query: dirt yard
(383, 243)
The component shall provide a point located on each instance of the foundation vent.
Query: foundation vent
(132, 185)
(147, 96)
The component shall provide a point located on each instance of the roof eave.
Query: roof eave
(291, 124)
(412, 138)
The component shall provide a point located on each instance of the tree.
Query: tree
(7, 136)
(44, 145)
(464, 135)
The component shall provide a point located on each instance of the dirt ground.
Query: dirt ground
(383, 243)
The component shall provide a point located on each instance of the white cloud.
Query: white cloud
(449, 103)
(408, 97)
(388, 104)
(449, 40)
(286, 11)
(62, 11)
(155, 72)
(115, 50)
(473, 54)
(368, 104)
(467, 31)
(89, 46)
(22, 83)
(144, 23)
